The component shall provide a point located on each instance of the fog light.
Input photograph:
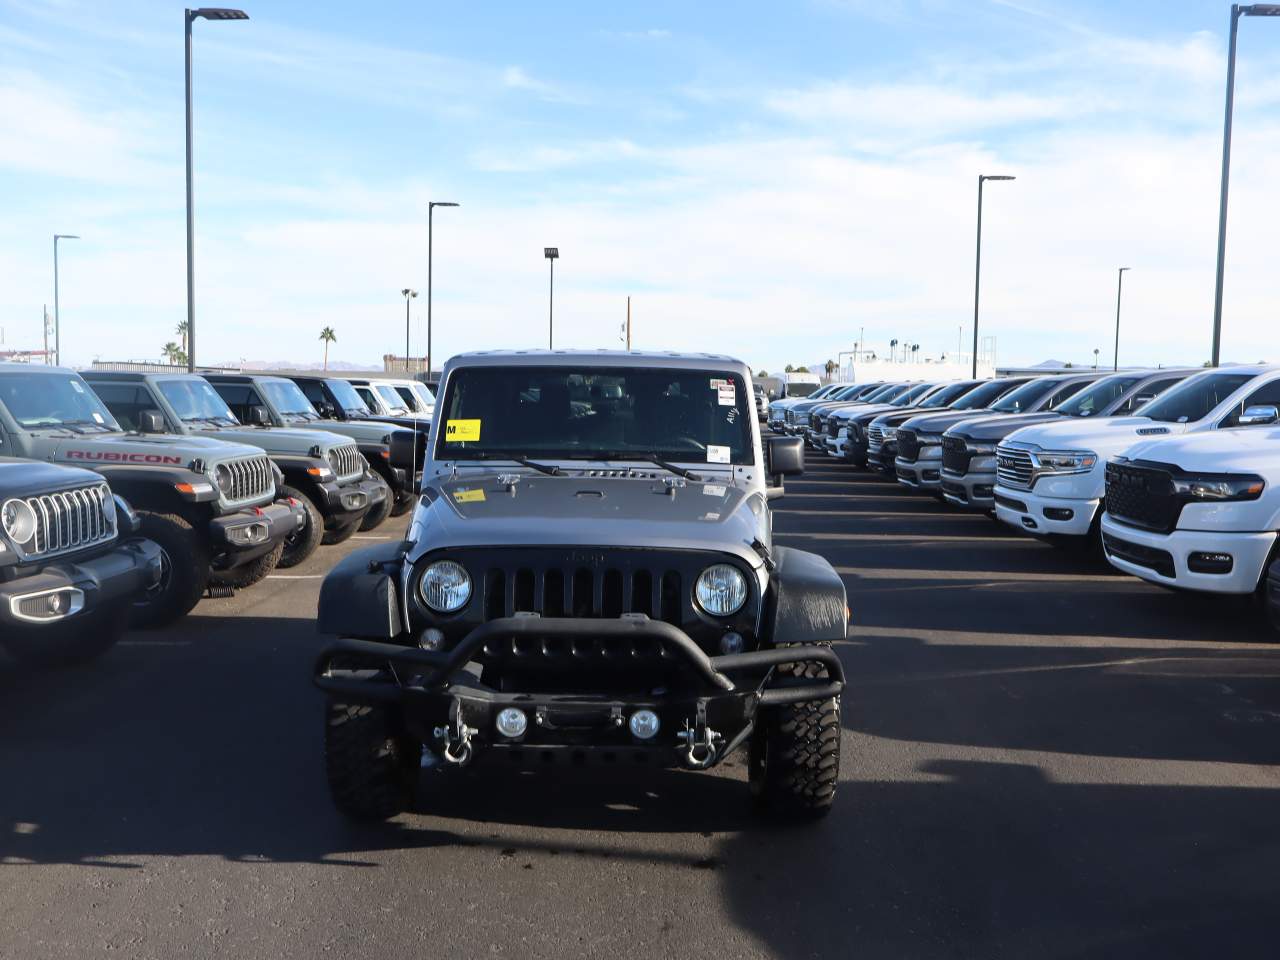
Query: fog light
(512, 722)
(1059, 513)
(432, 639)
(644, 724)
(731, 643)
(1217, 563)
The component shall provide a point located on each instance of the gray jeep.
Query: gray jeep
(210, 506)
(589, 573)
(71, 563)
(322, 471)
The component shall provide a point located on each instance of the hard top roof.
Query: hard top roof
(595, 358)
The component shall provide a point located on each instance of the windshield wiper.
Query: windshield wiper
(648, 458)
(517, 458)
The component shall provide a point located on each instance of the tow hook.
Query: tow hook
(455, 739)
(701, 743)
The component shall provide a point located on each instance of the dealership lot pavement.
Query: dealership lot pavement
(1040, 759)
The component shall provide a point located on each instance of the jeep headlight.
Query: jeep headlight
(445, 586)
(1066, 461)
(222, 477)
(18, 520)
(334, 463)
(721, 590)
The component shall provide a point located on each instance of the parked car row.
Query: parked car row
(1170, 474)
(126, 497)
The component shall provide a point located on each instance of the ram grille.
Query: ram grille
(1142, 497)
(1014, 467)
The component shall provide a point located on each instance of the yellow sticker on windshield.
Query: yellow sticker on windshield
(468, 496)
(459, 431)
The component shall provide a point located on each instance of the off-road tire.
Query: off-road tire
(404, 503)
(77, 640)
(794, 758)
(340, 534)
(300, 545)
(247, 574)
(185, 572)
(378, 512)
(372, 768)
(1271, 592)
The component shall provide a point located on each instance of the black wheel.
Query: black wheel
(404, 503)
(794, 762)
(340, 534)
(371, 766)
(1271, 593)
(378, 512)
(301, 543)
(247, 574)
(73, 641)
(184, 570)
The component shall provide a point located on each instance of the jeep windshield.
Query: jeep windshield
(195, 401)
(288, 400)
(347, 398)
(596, 413)
(390, 399)
(1192, 399)
(49, 401)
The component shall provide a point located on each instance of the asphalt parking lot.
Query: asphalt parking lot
(1041, 759)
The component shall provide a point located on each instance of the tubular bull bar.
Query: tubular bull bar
(442, 687)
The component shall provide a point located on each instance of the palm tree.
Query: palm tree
(181, 331)
(328, 336)
(171, 352)
(831, 367)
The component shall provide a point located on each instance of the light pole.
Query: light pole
(408, 295)
(57, 325)
(552, 254)
(189, 17)
(431, 206)
(977, 268)
(1119, 287)
(1096, 351)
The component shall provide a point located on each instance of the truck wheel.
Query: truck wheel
(340, 534)
(372, 769)
(403, 504)
(301, 543)
(1271, 588)
(247, 574)
(184, 570)
(794, 761)
(70, 642)
(373, 519)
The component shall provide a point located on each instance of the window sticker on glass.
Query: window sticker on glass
(717, 454)
(76, 387)
(97, 417)
(726, 395)
(461, 431)
(468, 496)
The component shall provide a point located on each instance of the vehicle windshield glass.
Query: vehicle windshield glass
(949, 392)
(911, 396)
(346, 396)
(1192, 399)
(803, 389)
(408, 397)
(1025, 397)
(1092, 400)
(195, 400)
(596, 413)
(845, 393)
(288, 399)
(425, 397)
(983, 396)
(392, 400)
(39, 400)
(887, 392)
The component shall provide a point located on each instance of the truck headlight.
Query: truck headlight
(721, 590)
(1066, 461)
(18, 520)
(445, 586)
(1219, 487)
(222, 477)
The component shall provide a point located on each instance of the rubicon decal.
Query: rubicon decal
(113, 456)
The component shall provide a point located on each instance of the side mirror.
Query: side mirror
(1142, 399)
(259, 416)
(151, 421)
(325, 409)
(1259, 416)
(786, 456)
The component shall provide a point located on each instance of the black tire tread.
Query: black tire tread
(377, 514)
(247, 574)
(371, 769)
(189, 561)
(310, 536)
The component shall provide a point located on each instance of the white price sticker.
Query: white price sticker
(717, 454)
(714, 490)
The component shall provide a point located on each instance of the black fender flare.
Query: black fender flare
(360, 598)
(806, 601)
(154, 489)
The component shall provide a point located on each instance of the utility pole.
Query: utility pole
(628, 324)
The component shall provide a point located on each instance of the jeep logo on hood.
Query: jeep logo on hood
(113, 456)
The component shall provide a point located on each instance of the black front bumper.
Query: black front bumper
(345, 504)
(248, 534)
(440, 694)
(118, 575)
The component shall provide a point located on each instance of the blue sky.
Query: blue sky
(766, 179)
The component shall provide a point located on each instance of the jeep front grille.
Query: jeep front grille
(70, 520)
(346, 461)
(1014, 467)
(251, 479)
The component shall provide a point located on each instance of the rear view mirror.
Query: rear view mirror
(786, 456)
(1259, 416)
(151, 421)
(259, 416)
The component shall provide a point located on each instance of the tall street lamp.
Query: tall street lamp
(189, 17)
(431, 206)
(977, 269)
(1119, 287)
(408, 295)
(57, 325)
(1237, 11)
(552, 254)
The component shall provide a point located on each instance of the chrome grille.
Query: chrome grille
(875, 435)
(346, 461)
(251, 479)
(70, 520)
(1014, 467)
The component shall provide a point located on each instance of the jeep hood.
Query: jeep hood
(998, 427)
(590, 511)
(1106, 437)
(28, 478)
(281, 440)
(146, 449)
(1238, 450)
(361, 431)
